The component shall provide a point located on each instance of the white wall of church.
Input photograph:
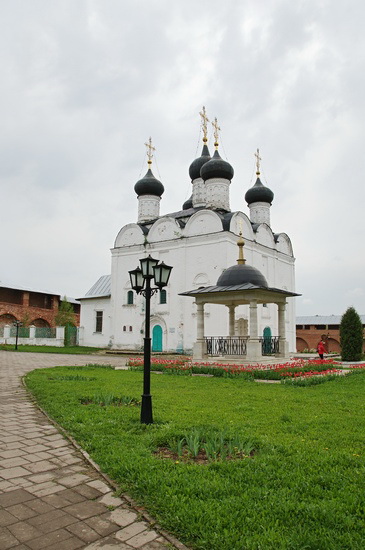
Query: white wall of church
(199, 253)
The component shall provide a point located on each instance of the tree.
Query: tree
(65, 315)
(351, 336)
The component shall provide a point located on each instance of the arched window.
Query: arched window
(130, 297)
(163, 297)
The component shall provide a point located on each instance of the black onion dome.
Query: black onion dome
(259, 193)
(195, 166)
(216, 167)
(188, 203)
(149, 185)
(241, 274)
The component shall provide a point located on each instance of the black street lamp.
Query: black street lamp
(17, 325)
(141, 282)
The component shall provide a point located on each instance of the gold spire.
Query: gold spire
(240, 244)
(258, 160)
(150, 150)
(204, 123)
(216, 130)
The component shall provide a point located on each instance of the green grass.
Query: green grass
(75, 350)
(303, 488)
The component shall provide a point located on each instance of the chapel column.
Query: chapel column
(231, 319)
(199, 350)
(254, 352)
(283, 344)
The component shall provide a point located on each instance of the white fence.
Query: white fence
(53, 337)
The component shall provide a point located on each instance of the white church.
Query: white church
(232, 287)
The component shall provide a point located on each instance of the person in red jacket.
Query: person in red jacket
(321, 348)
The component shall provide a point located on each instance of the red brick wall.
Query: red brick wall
(309, 338)
(32, 314)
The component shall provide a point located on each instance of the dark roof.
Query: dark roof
(195, 166)
(188, 203)
(259, 193)
(149, 185)
(216, 167)
(242, 274)
(232, 288)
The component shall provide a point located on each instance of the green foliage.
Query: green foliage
(303, 489)
(310, 381)
(65, 315)
(351, 336)
(107, 399)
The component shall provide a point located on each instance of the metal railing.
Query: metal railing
(23, 332)
(227, 345)
(269, 345)
(45, 332)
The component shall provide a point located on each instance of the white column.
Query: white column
(254, 329)
(199, 350)
(283, 344)
(231, 319)
(31, 334)
(254, 352)
(60, 336)
(6, 333)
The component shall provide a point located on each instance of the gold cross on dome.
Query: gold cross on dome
(204, 123)
(150, 150)
(216, 130)
(258, 159)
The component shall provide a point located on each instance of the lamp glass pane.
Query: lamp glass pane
(136, 279)
(147, 265)
(162, 274)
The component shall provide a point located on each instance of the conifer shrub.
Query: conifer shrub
(351, 335)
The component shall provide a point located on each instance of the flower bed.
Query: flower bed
(290, 369)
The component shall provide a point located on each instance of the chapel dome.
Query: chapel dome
(188, 203)
(216, 167)
(241, 274)
(149, 185)
(195, 166)
(259, 193)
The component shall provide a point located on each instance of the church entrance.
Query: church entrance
(266, 343)
(157, 338)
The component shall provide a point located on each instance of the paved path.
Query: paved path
(50, 496)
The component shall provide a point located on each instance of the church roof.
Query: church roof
(196, 165)
(259, 193)
(101, 289)
(230, 288)
(242, 274)
(216, 167)
(149, 185)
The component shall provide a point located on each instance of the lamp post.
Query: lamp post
(141, 278)
(17, 325)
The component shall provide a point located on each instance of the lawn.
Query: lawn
(301, 487)
(75, 350)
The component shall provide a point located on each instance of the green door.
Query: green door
(267, 344)
(157, 338)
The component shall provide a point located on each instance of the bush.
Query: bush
(351, 336)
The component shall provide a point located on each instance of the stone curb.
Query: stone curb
(132, 504)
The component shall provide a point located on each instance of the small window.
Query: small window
(130, 329)
(99, 321)
(124, 328)
(264, 305)
(130, 297)
(163, 297)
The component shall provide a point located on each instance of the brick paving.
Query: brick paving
(51, 497)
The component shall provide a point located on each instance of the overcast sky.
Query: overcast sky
(84, 83)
